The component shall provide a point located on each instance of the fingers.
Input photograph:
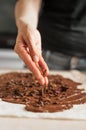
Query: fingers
(29, 62)
(33, 40)
(32, 47)
(43, 66)
(45, 69)
(28, 52)
(46, 81)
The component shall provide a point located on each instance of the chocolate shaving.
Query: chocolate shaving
(23, 88)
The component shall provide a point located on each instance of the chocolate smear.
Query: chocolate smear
(24, 88)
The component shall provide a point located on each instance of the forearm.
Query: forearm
(27, 11)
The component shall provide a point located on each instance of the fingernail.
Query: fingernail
(42, 81)
(35, 58)
(46, 81)
(47, 71)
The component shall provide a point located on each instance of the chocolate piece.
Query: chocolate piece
(24, 88)
(44, 73)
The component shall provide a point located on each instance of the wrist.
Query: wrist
(23, 21)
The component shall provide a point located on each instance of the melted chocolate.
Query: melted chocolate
(23, 88)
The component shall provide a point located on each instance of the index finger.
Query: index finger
(43, 65)
(30, 63)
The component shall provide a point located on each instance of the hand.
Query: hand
(28, 47)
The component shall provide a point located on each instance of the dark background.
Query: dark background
(8, 30)
(7, 22)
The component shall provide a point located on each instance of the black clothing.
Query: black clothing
(62, 25)
(7, 19)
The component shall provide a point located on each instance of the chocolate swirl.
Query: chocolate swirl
(23, 88)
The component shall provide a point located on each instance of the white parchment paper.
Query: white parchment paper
(77, 112)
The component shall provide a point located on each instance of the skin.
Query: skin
(28, 41)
